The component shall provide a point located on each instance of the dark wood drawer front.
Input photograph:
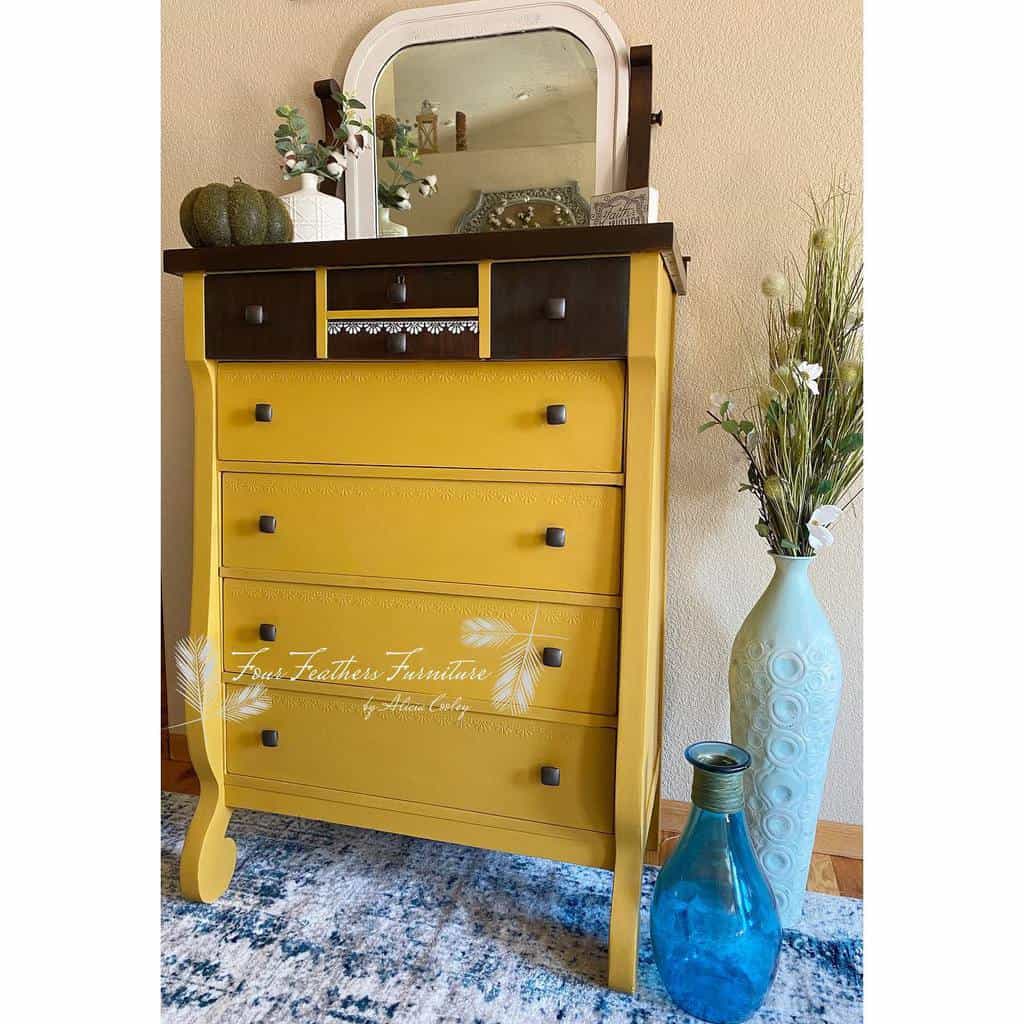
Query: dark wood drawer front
(425, 287)
(526, 299)
(261, 316)
(398, 345)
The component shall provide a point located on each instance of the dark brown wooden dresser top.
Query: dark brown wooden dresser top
(561, 243)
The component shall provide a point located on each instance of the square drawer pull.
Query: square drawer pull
(554, 309)
(554, 537)
(254, 315)
(552, 657)
(557, 415)
(397, 291)
(397, 343)
(268, 632)
(265, 412)
(268, 524)
(550, 776)
(269, 737)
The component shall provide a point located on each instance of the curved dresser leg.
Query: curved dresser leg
(624, 927)
(208, 857)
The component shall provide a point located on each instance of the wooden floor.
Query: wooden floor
(836, 873)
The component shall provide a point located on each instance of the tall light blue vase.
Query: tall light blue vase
(785, 677)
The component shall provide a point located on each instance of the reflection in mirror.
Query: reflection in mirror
(514, 115)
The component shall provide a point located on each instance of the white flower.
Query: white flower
(334, 168)
(431, 180)
(401, 193)
(354, 143)
(424, 189)
(808, 373)
(775, 285)
(404, 205)
(818, 533)
(289, 159)
(717, 401)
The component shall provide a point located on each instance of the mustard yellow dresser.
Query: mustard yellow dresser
(430, 488)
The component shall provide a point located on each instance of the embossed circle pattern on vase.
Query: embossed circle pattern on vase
(785, 678)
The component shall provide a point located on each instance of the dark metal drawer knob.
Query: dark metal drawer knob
(397, 343)
(550, 776)
(254, 315)
(396, 291)
(268, 524)
(554, 309)
(268, 632)
(552, 657)
(554, 537)
(557, 415)
(265, 412)
(269, 739)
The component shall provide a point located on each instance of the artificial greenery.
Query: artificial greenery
(395, 194)
(801, 426)
(326, 159)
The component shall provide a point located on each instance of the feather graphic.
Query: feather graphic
(196, 685)
(192, 658)
(244, 703)
(486, 632)
(521, 664)
(520, 668)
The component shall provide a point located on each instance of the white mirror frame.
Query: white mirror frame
(588, 21)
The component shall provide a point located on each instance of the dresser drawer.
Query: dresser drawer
(261, 316)
(563, 657)
(452, 530)
(566, 309)
(443, 286)
(476, 762)
(462, 415)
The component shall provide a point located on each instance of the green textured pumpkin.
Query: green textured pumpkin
(217, 215)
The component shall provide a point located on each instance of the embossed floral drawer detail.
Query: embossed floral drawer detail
(475, 415)
(476, 762)
(517, 655)
(545, 536)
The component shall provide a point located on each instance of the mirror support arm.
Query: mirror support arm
(638, 133)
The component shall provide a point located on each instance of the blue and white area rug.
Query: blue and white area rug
(323, 923)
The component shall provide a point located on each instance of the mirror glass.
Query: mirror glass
(505, 129)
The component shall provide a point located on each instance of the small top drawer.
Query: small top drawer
(261, 316)
(560, 309)
(432, 287)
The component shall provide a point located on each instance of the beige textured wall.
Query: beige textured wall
(761, 100)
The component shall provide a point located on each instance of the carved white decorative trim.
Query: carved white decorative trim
(586, 20)
(427, 326)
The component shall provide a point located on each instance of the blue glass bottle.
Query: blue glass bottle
(714, 924)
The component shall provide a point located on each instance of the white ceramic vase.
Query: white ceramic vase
(317, 217)
(386, 227)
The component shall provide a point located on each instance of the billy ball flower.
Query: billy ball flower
(775, 286)
(850, 371)
(823, 239)
(795, 319)
(774, 488)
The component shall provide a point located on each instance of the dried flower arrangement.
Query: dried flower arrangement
(800, 426)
